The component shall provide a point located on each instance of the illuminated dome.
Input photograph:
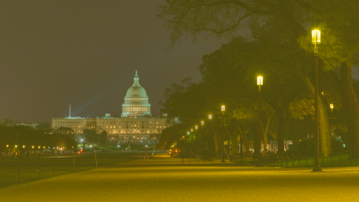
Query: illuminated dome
(136, 101)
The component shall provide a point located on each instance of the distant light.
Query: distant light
(210, 117)
(315, 36)
(223, 108)
(202, 123)
(259, 80)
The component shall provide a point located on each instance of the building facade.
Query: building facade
(135, 126)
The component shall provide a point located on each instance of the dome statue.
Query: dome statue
(136, 101)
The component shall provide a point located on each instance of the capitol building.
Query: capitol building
(135, 126)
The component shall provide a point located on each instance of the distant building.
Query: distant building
(135, 126)
(28, 124)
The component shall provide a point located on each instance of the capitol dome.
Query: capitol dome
(136, 91)
(136, 101)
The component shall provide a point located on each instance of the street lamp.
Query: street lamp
(7, 145)
(196, 127)
(202, 123)
(223, 109)
(187, 133)
(331, 107)
(260, 84)
(191, 130)
(316, 41)
(23, 146)
(15, 146)
(210, 119)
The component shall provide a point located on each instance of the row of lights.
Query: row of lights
(223, 108)
(39, 147)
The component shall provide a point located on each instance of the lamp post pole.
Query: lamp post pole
(196, 140)
(316, 41)
(223, 109)
(210, 159)
(202, 143)
(259, 83)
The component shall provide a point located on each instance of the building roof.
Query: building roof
(136, 90)
(108, 116)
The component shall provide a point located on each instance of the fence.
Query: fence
(18, 169)
(334, 160)
(296, 160)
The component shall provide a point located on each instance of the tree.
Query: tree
(290, 21)
(90, 136)
(103, 138)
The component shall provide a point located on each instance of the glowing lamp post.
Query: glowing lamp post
(196, 127)
(260, 84)
(316, 41)
(202, 123)
(210, 118)
(331, 107)
(223, 109)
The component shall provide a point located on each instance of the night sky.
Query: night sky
(85, 53)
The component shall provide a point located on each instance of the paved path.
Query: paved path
(168, 179)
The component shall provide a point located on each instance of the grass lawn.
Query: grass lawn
(13, 171)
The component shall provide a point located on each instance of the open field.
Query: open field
(170, 179)
(13, 170)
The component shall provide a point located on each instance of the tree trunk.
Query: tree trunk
(216, 141)
(323, 116)
(234, 146)
(265, 143)
(325, 135)
(280, 135)
(350, 105)
(256, 139)
(265, 132)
